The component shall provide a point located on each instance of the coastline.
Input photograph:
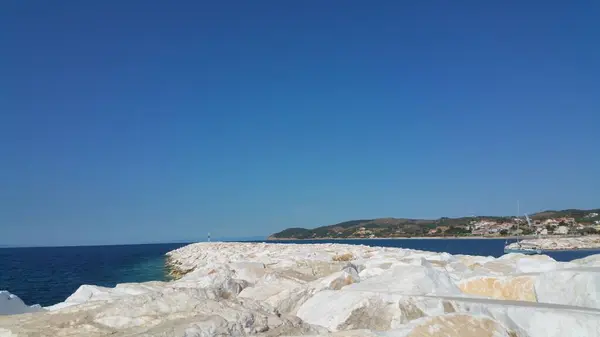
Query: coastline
(513, 237)
(571, 250)
(581, 243)
(278, 289)
(547, 244)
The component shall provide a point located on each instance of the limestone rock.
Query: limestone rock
(273, 283)
(589, 261)
(409, 280)
(11, 305)
(453, 325)
(347, 310)
(518, 288)
(559, 243)
(246, 289)
(249, 271)
(89, 293)
(570, 287)
(171, 312)
(289, 300)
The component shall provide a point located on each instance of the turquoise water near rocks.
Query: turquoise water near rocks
(48, 275)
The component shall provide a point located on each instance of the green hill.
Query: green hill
(579, 215)
(401, 227)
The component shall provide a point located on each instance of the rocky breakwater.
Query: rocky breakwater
(556, 244)
(241, 289)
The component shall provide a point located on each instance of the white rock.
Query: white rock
(452, 325)
(371, 272)
(409, 280)
(333, 310)
(6, 333)
(90, 293)
(591, 261)
(240, 289)
(169, 312)
(547, 322)
(569, 287)
(289, 300)
(11, 305)
(558, 243)
(249, 271)
(535, 264)
(272, 284)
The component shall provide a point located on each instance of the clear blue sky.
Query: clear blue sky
(138, 121)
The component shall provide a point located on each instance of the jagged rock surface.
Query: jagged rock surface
(584, 242)
(11, 304)
(242, 289)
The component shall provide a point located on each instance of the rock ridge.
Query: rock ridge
(267, 289)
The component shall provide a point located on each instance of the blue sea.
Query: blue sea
(48, 275)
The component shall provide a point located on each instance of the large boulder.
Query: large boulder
(289, 300)
(517, 288)
(90, 293)
(347, 310)
(248, 271)
(588, 261)
(570, 287)
(452, 325)
(273, 283)
(542, 320)
(221, 280)
(536, 264)
(172, 312)
(410, 280)
(11, 305)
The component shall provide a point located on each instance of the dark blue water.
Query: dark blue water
(49, 275)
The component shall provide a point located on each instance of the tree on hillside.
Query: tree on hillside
(527, 231)
(457, 230)
(588, 231)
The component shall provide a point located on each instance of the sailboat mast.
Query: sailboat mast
(518, 220)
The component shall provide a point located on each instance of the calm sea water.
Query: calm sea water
(49, 275)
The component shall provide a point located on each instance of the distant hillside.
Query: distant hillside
(577, 214)
(400, 227)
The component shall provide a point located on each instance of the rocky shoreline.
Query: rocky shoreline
(591, 242)
(174, 269)
(265, 289)
(471, 237)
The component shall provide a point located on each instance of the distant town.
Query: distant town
(571, 222)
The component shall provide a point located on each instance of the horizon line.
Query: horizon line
(247, 238)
